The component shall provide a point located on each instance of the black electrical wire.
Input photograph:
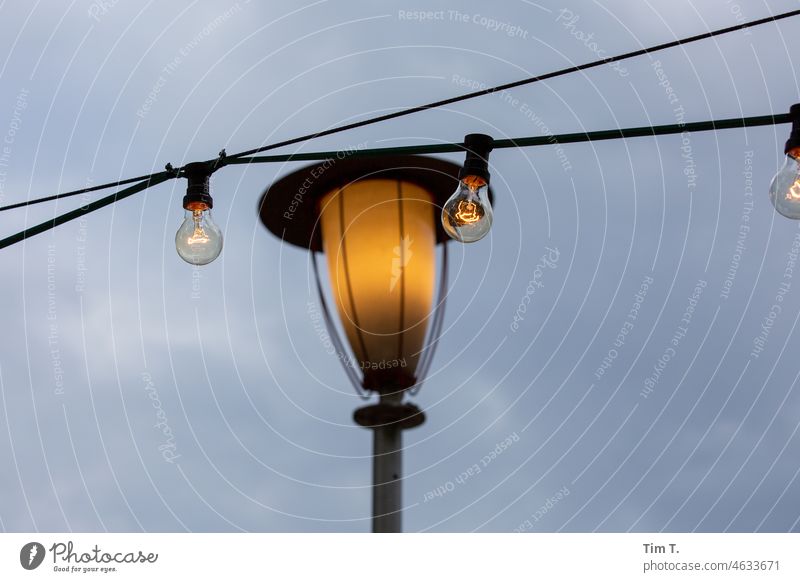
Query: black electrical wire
(81, 191)
(152, 180)
(528, 81)
(520, 142)
(236, 158)
(146, 181)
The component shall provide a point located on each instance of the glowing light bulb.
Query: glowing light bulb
(784, 192)
(467, 214)
(198, 240)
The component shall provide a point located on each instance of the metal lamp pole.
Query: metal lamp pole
(388, 419)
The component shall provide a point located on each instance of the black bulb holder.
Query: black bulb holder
(794, 138)
(198, 193)
(478, 146)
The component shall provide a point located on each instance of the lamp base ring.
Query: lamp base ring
(402, 416)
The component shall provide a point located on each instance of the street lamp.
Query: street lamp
(377, 221)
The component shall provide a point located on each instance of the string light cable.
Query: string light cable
(190, 171)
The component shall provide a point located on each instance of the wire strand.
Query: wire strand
(443, 148)
(528, 81)
(144, 182)
(238, 157)
(539, 140)
(83, 210)
(521, 142)
(76, 192)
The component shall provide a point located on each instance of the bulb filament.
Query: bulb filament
(468, 212)
(794, 191)
(199, 235)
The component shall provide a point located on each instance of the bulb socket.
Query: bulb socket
(198, 192)
(794, 138)
(478, 146)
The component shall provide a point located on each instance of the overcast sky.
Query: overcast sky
(664, 257)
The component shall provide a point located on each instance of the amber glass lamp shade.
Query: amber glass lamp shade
(379, 238)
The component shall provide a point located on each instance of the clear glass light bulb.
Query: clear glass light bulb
(199, 239)
(467, 214)
(784, 192)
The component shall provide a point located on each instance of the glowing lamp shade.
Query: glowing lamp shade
(379, 238)
(376, 221)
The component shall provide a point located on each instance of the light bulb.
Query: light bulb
(199, 239)
(784, 192)
(467, 214)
